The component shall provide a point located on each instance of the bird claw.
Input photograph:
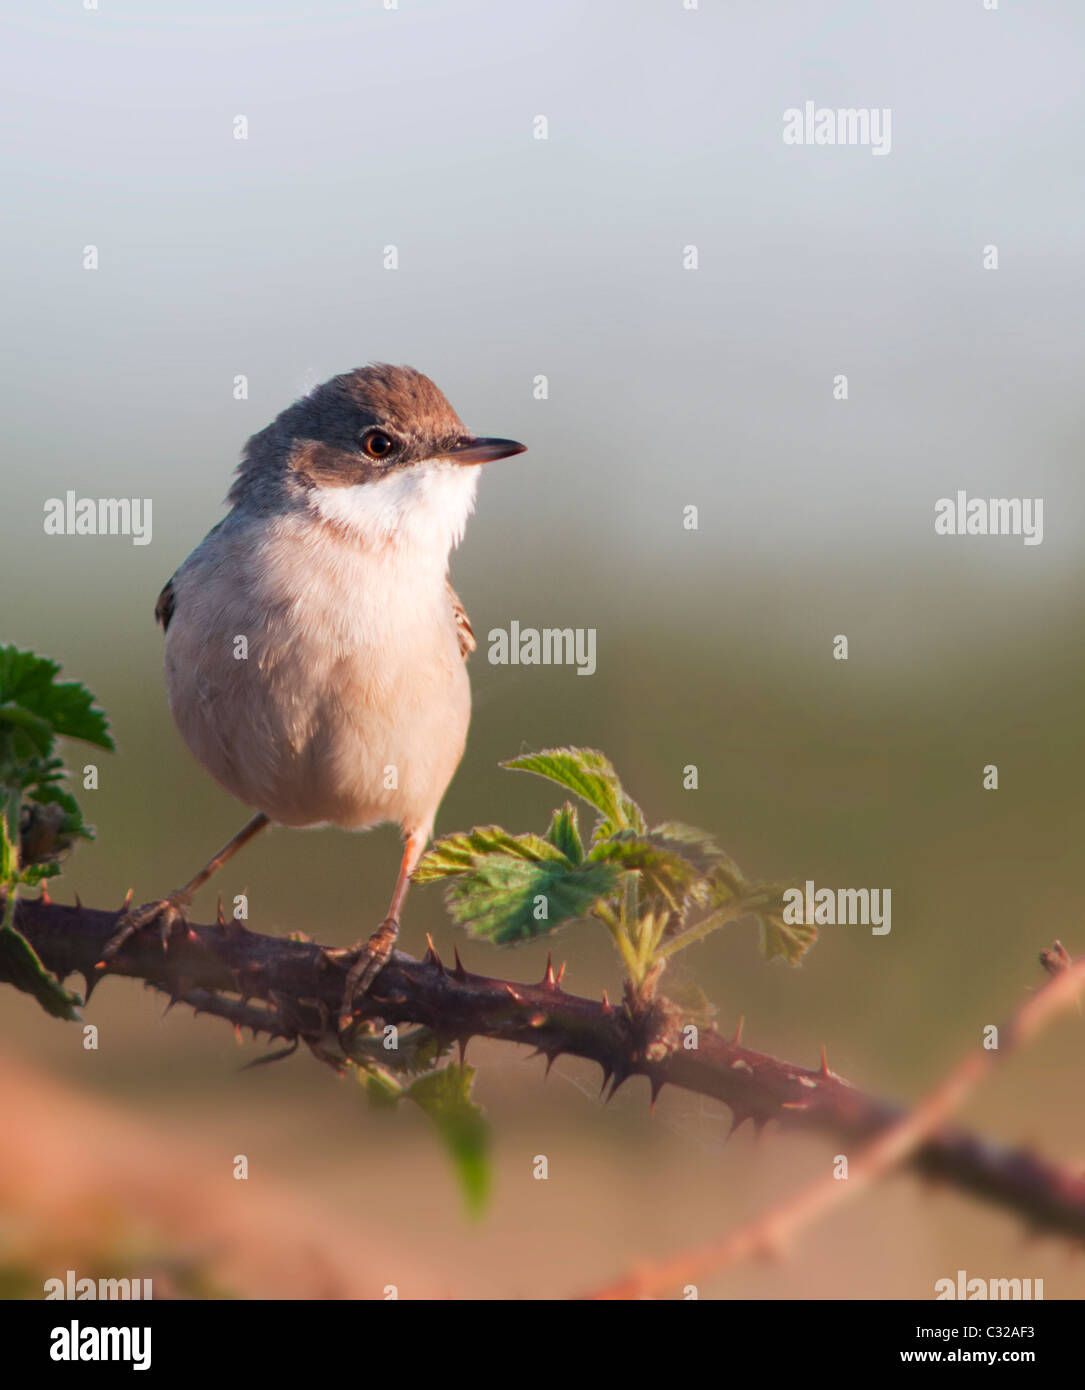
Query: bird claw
(370, 959)
(169, 912)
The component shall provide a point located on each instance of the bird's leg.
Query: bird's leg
(171, 908)
(372, 955)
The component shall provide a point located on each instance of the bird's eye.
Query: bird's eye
(377, 444)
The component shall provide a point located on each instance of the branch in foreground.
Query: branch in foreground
(770, 1232)
(287, 989)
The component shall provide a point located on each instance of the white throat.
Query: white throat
(423, 509)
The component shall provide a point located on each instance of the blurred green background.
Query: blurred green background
(666, 388)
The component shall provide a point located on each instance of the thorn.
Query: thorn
(45, 898)
(561, 972)
(607, 1074)
(237, 1034)
(550, 1053)
(657, 1084)
(272, 1056)
(513, 995)
(824, 1062)
(78, 903)
(461, 1043)
(431, 957)
(219, 916)
(759, 1123)
(547, 981)
(608, 1007)
(460, 973)
(537, 1020)
(127, 900)
(620, 1078)
(738, 1029)
(738, 1119)
(90, 983)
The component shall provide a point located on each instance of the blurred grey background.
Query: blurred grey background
(667, 387)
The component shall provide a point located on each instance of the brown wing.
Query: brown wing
(464, 630)
(163, 609)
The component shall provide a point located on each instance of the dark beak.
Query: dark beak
(470, 451)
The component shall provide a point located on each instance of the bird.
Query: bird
(314, 648)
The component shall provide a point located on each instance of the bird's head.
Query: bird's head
(378, 452)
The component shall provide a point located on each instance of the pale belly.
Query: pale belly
(318, 697)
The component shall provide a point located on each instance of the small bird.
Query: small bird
(314, 646)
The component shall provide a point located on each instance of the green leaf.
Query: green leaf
(564, 833)
(382, 1090)
(664, 873)
(498, 898)
(27, 734)
(28, 687)
(457, 854)
(788, 940)
(33, 875)
(445, 1096)
(591, 776)
(727, 884)
(697, 846)
(21, 967)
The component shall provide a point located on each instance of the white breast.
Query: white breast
(352, 703)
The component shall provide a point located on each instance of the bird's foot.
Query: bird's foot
(370, 958)
(169, 912)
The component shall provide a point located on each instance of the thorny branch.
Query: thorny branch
(288, 989)
(770, 1232)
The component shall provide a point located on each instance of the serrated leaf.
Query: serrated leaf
(456, 854)
(787, 940)
(47, 794)
(726, 883)
(663, 871)
(26, 735)
(498, 898)
(697, 846)
(20, 966)
(445, 1096)
(28, 687)
(591, 776)
(564, 833)
(34, 874)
